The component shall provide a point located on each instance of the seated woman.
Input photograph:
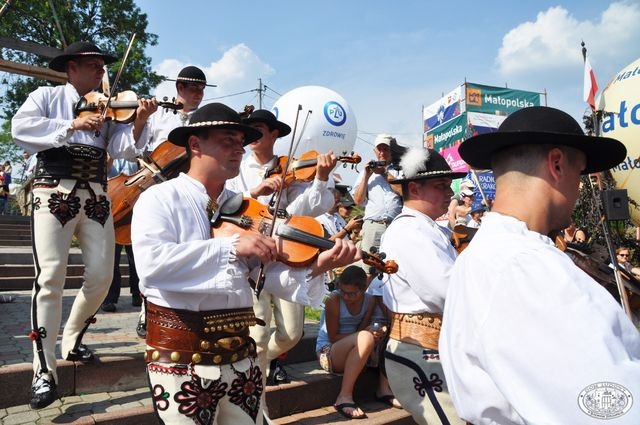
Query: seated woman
(574, 235)
(345, 339)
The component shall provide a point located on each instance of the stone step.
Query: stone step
(25, 283)
(287, 403)
(19, 270)
(16, 242)
(377, 414)
(14, 219)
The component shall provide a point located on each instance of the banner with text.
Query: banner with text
(498, 100)
(448, 133)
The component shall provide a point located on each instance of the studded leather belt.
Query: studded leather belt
(213, 337)
(80, 162)
(421, 329)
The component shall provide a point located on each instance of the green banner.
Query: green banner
(498, 100)
(444, 135)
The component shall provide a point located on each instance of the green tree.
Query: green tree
(107, 23)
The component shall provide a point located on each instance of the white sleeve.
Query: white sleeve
(31, 128)
(309, 199)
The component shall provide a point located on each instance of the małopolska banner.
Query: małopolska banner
(446, 134)
(449, 106)
(498, 100)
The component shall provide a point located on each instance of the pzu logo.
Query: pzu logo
(335, 113)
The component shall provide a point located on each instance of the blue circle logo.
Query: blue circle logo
(335, 113)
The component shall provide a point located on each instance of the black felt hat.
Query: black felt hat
(264, 116)
(422, 164)
(213, 115)
(542, 125)
(77, 50)
(191, 75)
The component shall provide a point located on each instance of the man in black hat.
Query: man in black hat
(527, 336)
(190, 85)
(69, 197)
(415, 295)
(311, 199)
(201, 359)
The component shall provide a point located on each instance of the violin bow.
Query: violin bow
(261, 277)
(114, 86)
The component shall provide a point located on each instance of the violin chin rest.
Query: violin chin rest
(232, 205)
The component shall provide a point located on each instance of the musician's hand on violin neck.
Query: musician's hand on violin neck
(89, 122)
(255, 244)
(326, 163)
(146, 107)
(343, 253)
(266, 187)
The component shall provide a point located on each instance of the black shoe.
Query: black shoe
(43, 392)
(277, 374)
(141, 330)
(82, 354)
(108, 307)
(136, 300)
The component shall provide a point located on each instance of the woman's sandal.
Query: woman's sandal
(340, 408)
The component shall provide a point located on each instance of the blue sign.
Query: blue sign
(335, 113)
(487, 183)
(443, 115)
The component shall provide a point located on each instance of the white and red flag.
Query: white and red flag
(590, 84)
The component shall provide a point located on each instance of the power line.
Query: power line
(229, 95)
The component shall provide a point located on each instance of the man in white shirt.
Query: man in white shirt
(334, 224)
(299, 198)
(69, 197)
(201, 359)
(372, 190)
(415, 295)
(528, 337)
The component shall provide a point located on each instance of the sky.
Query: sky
(388, 59)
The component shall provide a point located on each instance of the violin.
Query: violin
(304, 168)
(164, 163)
(299, 239)
(122, 107)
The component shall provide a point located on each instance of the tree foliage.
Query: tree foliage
(106, 23)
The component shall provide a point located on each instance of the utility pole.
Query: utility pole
(259, 93)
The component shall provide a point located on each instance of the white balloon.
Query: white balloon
(331, 125)
(620, 101)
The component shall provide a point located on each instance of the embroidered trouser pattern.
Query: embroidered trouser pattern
(417, 380)
(58, 214)
(225, 395)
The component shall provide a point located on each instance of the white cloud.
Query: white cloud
(236, 71)
(552, 41)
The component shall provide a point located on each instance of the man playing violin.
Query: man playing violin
(311, 199)
(69, 197)
(415, 295)
(199, 299)
(528, 337)
(190, 85)
(372, 190)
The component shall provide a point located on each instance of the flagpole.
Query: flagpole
(595, 119)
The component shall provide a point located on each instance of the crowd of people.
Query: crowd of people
(508, 332)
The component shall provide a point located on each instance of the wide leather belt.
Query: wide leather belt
(80, 162)
(421, 329)
(201, 337)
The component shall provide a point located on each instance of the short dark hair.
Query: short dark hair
(353, 275)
